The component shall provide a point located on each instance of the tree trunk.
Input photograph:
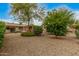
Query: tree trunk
(28, 26)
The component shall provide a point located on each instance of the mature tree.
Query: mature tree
(26, 12)
(58, 20)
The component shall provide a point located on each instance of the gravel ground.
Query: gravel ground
(15, 45)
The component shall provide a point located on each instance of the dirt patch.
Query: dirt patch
(16, 45)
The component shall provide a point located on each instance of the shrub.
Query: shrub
(56, 29)
(57, 21)
(77, 33)
(2, 31)
(37, 30)
(77, 30)
(27, 34)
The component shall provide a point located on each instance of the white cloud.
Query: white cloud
(7, 20)
(59, 6)
(76, 15)
(64, 6)
(36, 22)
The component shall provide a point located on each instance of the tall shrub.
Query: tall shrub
(2, 30)
(57, 21)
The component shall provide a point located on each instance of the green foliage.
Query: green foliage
(57, 21)
(2, 30)
(77, 26)
(37, 30)
(56, 29)
(23, 11)
(26, 12)
(77, 33)
(27, 34)
(77, 30)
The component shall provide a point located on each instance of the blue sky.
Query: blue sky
(5, 8)
(74, 6)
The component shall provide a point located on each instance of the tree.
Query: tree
(58, 20)
(26, 12)
(2, 32)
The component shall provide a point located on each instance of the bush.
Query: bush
(37, 30)
(57, 21)
(27, 34)
(77, 30)
(77, 33)
(2, 31)
(56, 29)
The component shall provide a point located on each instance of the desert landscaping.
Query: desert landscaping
(39, 32)
(46, 45)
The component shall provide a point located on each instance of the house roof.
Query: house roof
(15, 25)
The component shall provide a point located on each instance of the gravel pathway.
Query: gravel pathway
(15, 45)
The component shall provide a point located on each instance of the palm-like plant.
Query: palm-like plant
(26, 12)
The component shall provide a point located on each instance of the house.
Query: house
(12, 27)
